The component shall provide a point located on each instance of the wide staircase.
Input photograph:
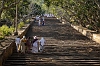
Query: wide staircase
(64, 47)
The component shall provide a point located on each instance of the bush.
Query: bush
(20, 25)
(1, 37)
(27, 21)
(11, 29)
(6, 31)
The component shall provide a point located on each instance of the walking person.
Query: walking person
(39, 22)
(28, 44)
(42, 42)
(17, 41)
(35, 45)
(23, 43)
(43, 22)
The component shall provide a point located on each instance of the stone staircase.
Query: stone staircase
(64, 47)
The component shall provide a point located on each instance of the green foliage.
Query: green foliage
(48, 2)
(8, 9)
(36, 9)
(84, 11)
(11, 29)
(6, 31)
(1, 37)
(20, 25)
(27, 21)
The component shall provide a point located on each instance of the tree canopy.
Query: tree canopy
(81, 12)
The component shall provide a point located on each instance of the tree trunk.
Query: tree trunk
(0, 14)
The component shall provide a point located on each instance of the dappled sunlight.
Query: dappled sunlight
(55, 22)
(64, 46)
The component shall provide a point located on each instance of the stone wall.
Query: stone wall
(89, 33)
(6, 51)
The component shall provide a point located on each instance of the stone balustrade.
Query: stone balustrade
(8, 49)
(89, 33)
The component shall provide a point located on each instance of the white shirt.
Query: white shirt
(17, 40)
(42, 41)
(35, 44)
(43, 18)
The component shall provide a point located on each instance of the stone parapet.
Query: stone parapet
(10, 46)
(89, 33)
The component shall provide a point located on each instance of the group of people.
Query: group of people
(30, 44)
(40, 20)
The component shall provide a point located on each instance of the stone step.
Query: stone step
(68, 58)
(70, 62)
(32, 64)
(64, 47)
(57, 59)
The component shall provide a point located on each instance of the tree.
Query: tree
(9, 14)
(6, 4)
(36, 9)
(82, 12)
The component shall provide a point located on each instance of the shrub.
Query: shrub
(27, 21)
(11, 29)
(20, 25)
(6, 31)
(1, 37)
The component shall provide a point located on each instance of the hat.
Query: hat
(35, 37)
(23, 36)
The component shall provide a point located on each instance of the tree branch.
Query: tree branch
(98, 3)
(14, 3)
